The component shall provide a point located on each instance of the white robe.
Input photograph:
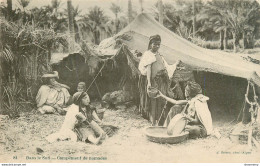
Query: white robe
(203, 113)
(66, 132)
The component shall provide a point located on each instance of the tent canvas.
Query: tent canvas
(173, 48)
(214, 64)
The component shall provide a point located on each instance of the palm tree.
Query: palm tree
(238, 15)
(194, 18)
(116, 10)
(130, 11)
(71, 25)
(170, 17)
(56, 4)
(94, 23)
(141, 6)
(187, 12)
(24, 4)
(213, 20)
(160, 7)
(9, 8)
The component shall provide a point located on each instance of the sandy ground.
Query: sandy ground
(129, 144)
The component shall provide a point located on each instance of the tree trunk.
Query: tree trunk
(194, 18)
(141, 6)
(1, 72)
(9, 9)
(235, 41)
(71, 26)
(251, 41)
(116, 24)
(96, 37)
(160, 7)
(130, 11)
(48, 58)
(79, 33)
(244, 39)
(35, 65)
(221, 39)
(225, 39)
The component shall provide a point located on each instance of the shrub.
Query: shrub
(210, 44)
(12, 99)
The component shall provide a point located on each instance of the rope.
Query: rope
(252, 110)
(96, 75)
(255, 96)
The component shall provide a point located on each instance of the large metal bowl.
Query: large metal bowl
(159, 134)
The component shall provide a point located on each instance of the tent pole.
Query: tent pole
(241, 111)
(98, 90)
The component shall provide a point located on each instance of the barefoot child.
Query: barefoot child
(87, 115)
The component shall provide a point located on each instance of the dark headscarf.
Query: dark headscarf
(192, 89)
(153, 39)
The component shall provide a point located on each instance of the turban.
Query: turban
(53, 74)
(153, 39)
(192, 89)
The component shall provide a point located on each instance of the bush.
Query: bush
(12, 99)
(205, 44)
(210, 44)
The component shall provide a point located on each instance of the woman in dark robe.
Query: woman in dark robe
(154, 74)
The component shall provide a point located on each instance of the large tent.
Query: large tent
(173, 48)
(227, 74)
(224, 75)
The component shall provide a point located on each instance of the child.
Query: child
(87, 115)
(82, 88)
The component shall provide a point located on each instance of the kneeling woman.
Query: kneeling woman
(196, 111)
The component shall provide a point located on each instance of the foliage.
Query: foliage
(12, 98)
(27, 44)
(183, 31)
(94, 23)
(115, 9)
(178, 15)
(238, 16)
(21, 41)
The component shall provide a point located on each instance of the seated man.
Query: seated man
(52, 96)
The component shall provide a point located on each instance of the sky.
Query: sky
(85, 5)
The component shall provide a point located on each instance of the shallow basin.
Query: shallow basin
(159, 134)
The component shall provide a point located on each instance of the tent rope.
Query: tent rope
(97, 75)
(247, 92)
(254, 106)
